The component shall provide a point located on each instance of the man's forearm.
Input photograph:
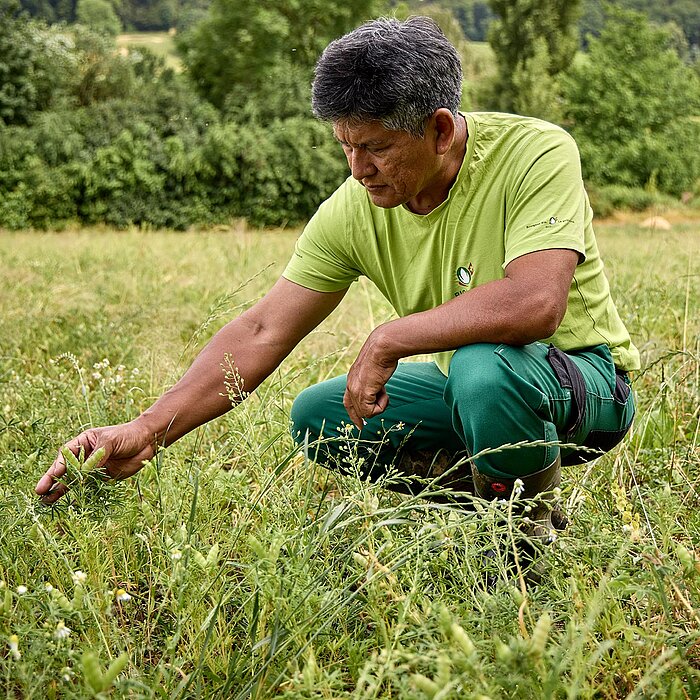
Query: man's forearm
(526, 305)
(210, 388)
(495, 315)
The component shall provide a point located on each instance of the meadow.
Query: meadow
(233, 567)
(162, 44)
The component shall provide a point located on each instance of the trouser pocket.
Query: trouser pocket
(570, 377)
(601, 406)
(605, 440)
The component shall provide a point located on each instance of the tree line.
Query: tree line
(473, 16)
(91, 134)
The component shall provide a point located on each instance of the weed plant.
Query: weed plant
(234, 567)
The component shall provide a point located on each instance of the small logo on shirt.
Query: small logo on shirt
(464, 275)
(551, 222)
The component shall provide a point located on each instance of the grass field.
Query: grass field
(232, 568)
(162, 44)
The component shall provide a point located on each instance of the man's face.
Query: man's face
(393, 166)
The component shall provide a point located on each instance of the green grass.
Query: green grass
(160, 43)
(253, 573)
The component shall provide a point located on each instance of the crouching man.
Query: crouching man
(477, 229)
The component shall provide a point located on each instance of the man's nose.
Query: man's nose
(361, 164)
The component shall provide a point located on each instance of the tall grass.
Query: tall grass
(233, 567)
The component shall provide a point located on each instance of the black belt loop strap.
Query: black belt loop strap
(570, 377)
(622, 386)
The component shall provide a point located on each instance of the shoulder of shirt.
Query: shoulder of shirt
(496, 124)
(344, 209)
(350, 192)
(528, 138)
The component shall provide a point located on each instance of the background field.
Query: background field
(251, 572)
(162, 44)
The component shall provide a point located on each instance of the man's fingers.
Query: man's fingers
(55, 471)
(355, 417)
(48, 487)
(382, 401)
(361, 409)
(55, 492)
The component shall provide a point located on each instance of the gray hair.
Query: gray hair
(386, 70)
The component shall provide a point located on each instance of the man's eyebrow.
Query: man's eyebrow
(370, 143)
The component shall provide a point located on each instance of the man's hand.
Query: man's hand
(126, 446)
(365, 395)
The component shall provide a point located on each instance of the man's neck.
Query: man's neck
(432, 197)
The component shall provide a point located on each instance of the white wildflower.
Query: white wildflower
(176, 555)
(48, 587)
(79, 577)
(62, 632)
(122, 596)
(21, 590)
(518, 487)
(13, 641)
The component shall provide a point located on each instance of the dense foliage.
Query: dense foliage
(239, 50)
(139, 15)
(475, 16)
(632, 105)
(89, 133)
(685, 14)
(533, 43)
(122, 140)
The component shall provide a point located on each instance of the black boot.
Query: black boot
(534, 498)
(449, 470)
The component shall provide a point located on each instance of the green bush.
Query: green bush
(631, 106)
(606, 200)
(102, 137)
(99, 15)
(163, 164)
(276, 174)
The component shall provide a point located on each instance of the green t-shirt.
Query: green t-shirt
(519, 190)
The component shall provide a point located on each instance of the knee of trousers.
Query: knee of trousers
(478, 380)
(492, 405)
(311, 414)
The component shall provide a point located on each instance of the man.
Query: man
(477, 228)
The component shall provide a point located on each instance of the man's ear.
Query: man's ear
(442, 122)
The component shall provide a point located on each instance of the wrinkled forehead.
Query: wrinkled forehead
(356, 132)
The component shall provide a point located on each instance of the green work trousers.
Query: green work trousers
(493, 396)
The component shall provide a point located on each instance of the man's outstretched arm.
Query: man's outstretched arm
(257, 342)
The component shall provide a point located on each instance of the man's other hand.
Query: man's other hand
(365, 395)
(126, 446)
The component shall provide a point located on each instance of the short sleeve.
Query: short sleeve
(546, 207)
(320, 260)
